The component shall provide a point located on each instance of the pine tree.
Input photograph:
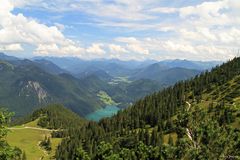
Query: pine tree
(24, 157)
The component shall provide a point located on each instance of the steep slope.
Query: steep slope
(25, 87)
(194, 119)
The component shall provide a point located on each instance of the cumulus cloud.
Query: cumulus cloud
(133, 45)
(54, 49)
(138, 49)
(117, 49)
(11, 47)
(96, 48)
(18, 29)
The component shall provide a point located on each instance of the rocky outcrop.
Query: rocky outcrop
(35, 87)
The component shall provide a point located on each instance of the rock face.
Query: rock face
(35, 87)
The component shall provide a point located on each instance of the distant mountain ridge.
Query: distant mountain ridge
(28, 84)
(7, 58)
(164, 74)
(197, 65)
(49, 67)
(133, 69)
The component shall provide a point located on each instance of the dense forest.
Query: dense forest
(172, 124)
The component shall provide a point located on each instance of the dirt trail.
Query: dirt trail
(189, 105)
(189, 133)
(36, 128)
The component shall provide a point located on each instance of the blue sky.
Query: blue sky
(124, 29)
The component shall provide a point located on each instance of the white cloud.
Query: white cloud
(117, 49)
(133, 45)
(61, 27)
(11, 47)
(96, 48)
(206, 9)
(127, 40)
(17, 29)
(22, 3)
(158, 49)
(138, 49)
(53, 49)
(166, 10)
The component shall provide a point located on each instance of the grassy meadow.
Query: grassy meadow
(28, 139)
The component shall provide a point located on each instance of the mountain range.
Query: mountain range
(27, 84)
(115, 67)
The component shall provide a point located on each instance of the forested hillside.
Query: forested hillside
(54, 116)
(25, 87)
(194, 119)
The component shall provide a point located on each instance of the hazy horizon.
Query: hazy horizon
(107, 59)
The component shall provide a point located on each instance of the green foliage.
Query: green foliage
(104, 151)
(7, 152)
(24, 157)
(81, 155)
(46, 143)
(54, 116)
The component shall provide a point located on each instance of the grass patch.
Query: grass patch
(166, 137)
(32, 123)
(106, 99)
(27, 139)
(118, 80)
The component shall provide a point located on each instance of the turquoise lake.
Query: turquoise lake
(108, 111)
